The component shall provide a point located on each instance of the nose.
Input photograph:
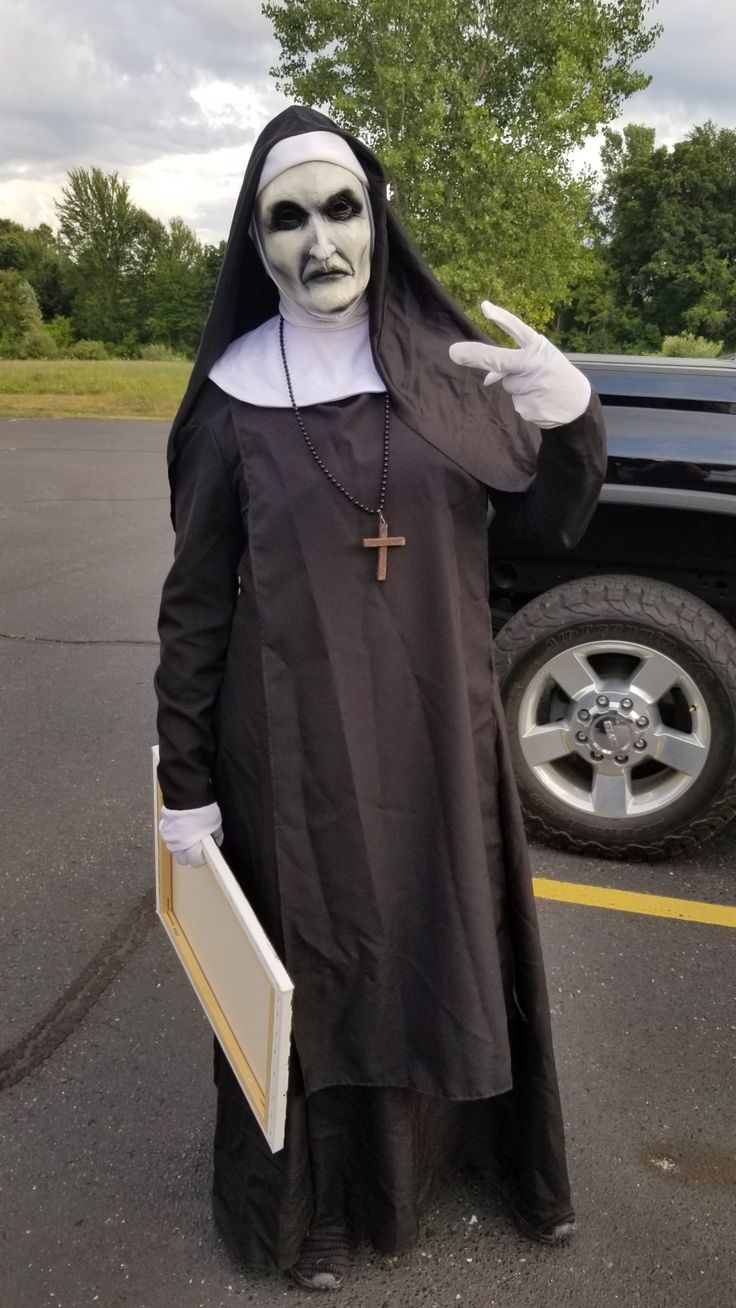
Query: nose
(321, 245)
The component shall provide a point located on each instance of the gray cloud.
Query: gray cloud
(691, 66)
(90, 81)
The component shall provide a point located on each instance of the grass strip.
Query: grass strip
(80, 388)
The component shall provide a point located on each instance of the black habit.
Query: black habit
(352, 734)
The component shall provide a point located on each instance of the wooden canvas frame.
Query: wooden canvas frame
(243, 987)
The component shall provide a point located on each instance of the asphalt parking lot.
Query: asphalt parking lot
(106, 1105)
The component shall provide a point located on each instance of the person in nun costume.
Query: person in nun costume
(329, 701)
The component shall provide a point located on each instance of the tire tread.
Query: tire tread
(674, 611)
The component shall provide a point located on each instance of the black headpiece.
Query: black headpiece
(413, 321)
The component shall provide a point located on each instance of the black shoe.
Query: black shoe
(544, 1232)
(323, 1260)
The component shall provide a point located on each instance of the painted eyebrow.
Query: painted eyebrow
(345, 194)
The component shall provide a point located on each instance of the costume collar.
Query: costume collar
(328, 360)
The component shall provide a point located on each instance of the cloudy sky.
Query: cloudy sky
(171, 94)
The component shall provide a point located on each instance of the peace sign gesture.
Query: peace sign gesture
(544, 386)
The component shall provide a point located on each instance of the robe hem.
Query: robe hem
(504, 1088)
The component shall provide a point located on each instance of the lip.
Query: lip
(327, 276)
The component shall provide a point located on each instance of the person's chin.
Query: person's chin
(332, 296)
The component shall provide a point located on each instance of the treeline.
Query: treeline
(112, 282)
(654, 269)
(660, 266)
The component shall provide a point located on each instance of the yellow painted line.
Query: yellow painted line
(630, 901)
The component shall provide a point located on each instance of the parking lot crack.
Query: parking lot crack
(71, 640)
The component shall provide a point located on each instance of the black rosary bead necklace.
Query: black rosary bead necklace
(383, 541)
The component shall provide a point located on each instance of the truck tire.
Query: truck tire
(620, 696)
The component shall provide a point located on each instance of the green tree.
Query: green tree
(35, 254)
(667, 239)
(22, 334)
(112, 245)
(473, 106)
(182, 287)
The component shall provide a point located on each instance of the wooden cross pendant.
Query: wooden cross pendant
(382, 542)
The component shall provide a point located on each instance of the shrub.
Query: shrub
(157, 352)
(61, 330)
(687, 346)
(88, 350)
(34, 344)
(22, 333)
(121, 350)
(129, 347)
(38, 344)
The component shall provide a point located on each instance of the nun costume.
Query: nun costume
(327, 693)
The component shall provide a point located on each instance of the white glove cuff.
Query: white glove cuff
(183, 827)
(570, 401)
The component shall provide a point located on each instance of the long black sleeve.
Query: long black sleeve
(197, 606)
(556, 509)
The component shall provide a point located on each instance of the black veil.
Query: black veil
(413, 321)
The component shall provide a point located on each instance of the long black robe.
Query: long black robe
(352, 734)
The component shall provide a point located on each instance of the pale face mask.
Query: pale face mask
(315, 231)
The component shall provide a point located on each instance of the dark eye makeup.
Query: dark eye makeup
(343, 205)
(287, 215)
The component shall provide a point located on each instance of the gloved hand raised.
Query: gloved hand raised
(184, 829)
(544, 386)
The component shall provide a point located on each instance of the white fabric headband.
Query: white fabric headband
(310, 147)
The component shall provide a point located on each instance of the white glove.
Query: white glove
(544, 386)
(184, 829)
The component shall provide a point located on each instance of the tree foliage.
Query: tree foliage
(132, 280)
(22, 334)
(663, 262)
(473, 106)
(114, 280)
(35, 254)
(112, 246)
(182, 287)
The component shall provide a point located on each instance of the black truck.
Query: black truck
(618, 659)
